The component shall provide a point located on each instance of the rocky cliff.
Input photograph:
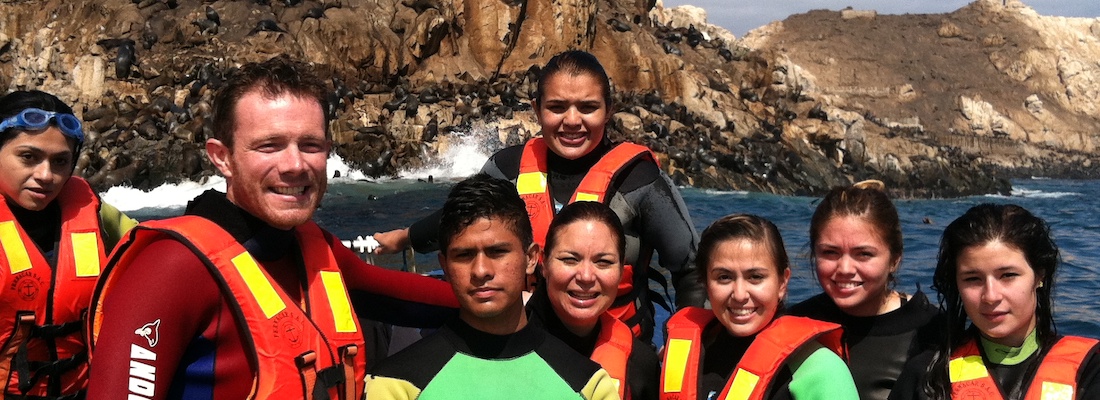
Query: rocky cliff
(935, 105)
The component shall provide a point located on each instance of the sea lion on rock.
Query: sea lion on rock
(421, 5)
(817, 113)
(430, 131)
(671, 48)
(266, 25)
(429, 96)
(315, 13)
(747, 94)
(412, 106)
(125, 60)
(726, 54)
(618, 25)
(148, 39)
(694, 37)
(212, 15)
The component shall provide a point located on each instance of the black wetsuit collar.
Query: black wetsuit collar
(42, 226)
(542, 314)
(263, 241)
(486, 345)
(913, 314)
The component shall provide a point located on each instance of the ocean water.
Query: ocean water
(355, 206)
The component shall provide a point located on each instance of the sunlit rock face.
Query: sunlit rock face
(934, 105)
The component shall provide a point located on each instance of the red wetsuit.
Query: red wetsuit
(200, 352)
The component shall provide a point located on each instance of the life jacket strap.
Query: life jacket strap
(328, 378)
(56, 331)
(347, 354)
(31, 371)
(305, 363)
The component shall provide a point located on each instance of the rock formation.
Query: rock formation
(935, 105)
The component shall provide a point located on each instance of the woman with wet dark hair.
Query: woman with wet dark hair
(55, 235)
(996, 269)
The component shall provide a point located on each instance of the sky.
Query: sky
(741, 16)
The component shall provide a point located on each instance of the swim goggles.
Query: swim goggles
(35, 119)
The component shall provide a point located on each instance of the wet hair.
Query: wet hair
(866, 200)
(482, 196)
(274, 77)
(741, 227)
(1014, 227)
(574, 63)
(586, 211)
(15, 102)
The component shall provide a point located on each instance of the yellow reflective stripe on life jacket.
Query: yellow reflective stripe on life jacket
(531, 183)
(18, 260)
(85, 253)
(1056, 391)
(967, 369)
(261, 288)
(587, 197)
(743, 384)
(675, 362)
(338, 301)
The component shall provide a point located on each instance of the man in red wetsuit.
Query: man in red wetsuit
(244, 296)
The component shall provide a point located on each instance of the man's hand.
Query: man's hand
(392, 242)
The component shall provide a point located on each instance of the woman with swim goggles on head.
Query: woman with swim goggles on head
(55, 235)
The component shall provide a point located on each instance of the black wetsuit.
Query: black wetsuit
(651, 209)
(879, 346)
(643, 368)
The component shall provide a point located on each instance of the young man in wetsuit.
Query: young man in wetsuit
(490, 351)
(244, 296)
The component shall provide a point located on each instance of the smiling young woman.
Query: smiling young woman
(996, 268)
(856, 246)
(744, 347)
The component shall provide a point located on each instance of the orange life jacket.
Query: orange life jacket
(1056, 377)
(613, 347)
(298, 355)
(39, 304)
(758, 366)
(532, 187)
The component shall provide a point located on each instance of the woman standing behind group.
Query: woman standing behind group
(856, 247)
(575, 160)
(743, 347)
(582, 266)
(54, 238)
(996, 268)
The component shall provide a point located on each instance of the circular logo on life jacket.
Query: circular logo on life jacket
(289, 327)
(536, 207)
(971, 391)
(27, 286)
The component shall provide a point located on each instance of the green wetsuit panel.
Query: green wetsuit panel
(533, 379)
(819, 374)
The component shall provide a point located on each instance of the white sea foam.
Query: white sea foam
(463, 158)
(1039, 194)
(716, 192)
(168, 196)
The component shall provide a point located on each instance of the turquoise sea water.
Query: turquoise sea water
(353, 208)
